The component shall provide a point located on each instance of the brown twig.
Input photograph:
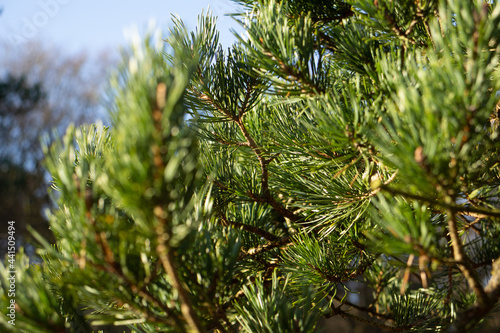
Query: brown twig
(168, 261)
(368, 310)
(344, 314)
(406, 276)
(231, 143)
(269, 246)
(250, 228)
(463, 261)
(163, 232)
(456, 209)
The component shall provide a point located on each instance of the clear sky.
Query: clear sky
(97, 25)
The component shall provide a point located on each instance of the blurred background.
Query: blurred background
(55, 58)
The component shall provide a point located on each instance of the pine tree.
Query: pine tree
(337, 147)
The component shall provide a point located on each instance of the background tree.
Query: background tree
(42, 90)
(21, 193)
(339, 146)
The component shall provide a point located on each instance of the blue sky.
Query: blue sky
(93, 26)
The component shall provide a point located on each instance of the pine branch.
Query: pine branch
(400, 32)
(171, 318)
(206, 98)
(469, 318)
(248, 94)
(112, 267)
(266, 196)
(258, 151)
(296, 75)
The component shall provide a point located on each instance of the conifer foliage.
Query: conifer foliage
(337, 146)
